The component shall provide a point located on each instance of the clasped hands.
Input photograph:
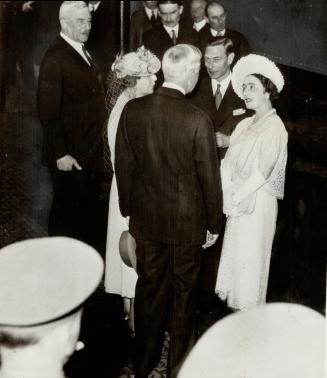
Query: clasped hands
(67, 163)
(231, 207)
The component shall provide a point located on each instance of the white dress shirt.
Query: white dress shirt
(214, 33)
(149, 12)
(170, 30)
(78, 46)
(223, 85)
(168, 84)
(199, 25)
(94, 7)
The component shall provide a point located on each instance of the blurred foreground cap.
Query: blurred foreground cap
(277, 340)
(44, 279)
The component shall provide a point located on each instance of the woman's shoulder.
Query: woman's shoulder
(275, 124)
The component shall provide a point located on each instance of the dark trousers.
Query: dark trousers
(207, 299)
(165, 292)
(77, 210)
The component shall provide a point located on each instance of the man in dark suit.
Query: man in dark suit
(143, 20)
(198, 14)
(72, 112)
(168, 181)
(217, 28)
(104, 39)
(215, 95)
(171, 31)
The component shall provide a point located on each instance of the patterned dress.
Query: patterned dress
(253, 176)
(119, 278)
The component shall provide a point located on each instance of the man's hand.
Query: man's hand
(211, 240)
(67, 163)
(222, 139)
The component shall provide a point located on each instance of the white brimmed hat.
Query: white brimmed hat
(42, 280)
(255, 64)
(276, 340)
(127, 247)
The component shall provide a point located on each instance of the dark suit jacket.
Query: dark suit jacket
(159, 41)
(71, 107)
(167, 169)
(241, 45)
(223, 118)
(104, 39)
(139, 24)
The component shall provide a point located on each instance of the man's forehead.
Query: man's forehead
(215, 51)
(216, 9)
(168, 8)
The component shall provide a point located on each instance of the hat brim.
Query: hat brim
(44, 279)
(127, 247)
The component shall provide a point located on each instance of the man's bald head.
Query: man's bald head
(216, 15)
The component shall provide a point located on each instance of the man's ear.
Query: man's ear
(230, 58)
(181, 8)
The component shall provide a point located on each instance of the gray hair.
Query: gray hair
(68, 6)
(178, 59)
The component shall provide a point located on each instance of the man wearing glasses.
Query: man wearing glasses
(217, 28)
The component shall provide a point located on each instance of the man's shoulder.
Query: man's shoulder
(139, 16)
(234, 34)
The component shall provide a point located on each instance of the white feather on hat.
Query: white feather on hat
(255, 64)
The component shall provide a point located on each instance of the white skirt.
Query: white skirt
(244, 265)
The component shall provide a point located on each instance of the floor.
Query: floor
(298, 259)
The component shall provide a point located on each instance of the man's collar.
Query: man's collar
(94, 7)
(199, 25)
(149, 12)
(217, 34)
(169, 29)
(170, 85)
(76, 45)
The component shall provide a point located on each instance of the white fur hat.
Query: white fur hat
(44, 279)
(255, 64)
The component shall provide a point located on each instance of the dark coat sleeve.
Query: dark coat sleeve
(50, 93)
(207, 167)
(124, 165)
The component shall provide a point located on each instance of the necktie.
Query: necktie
(153, 19)
(218, 97)
(88, 57)
(173, 37)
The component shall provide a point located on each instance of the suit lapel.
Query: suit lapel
(227, 104)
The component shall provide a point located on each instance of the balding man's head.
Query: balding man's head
(216, 15)
(181, 65)
(75, 20)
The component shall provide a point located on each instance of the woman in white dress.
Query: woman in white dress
(253, 176)
(133, 75)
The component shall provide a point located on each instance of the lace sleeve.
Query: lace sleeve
(273, 158)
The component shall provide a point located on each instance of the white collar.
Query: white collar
(214, 33)
(169, 84)
(149, 12)
(78, 46)
(94, 7)
(223, 84)
(169, 30)
(199, 25)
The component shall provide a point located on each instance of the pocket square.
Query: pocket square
(239, 111)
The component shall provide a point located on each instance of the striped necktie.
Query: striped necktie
(173, 37)
(218, 97)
